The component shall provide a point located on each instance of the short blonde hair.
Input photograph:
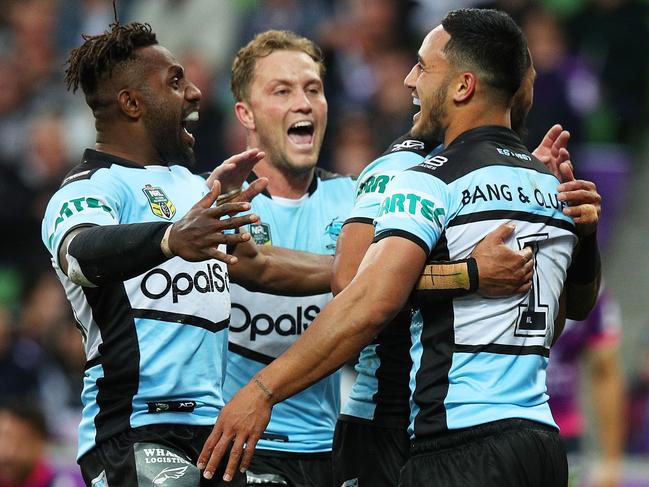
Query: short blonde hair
(264, 44)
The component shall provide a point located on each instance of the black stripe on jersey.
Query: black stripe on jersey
(93, 161)
(480, 216)
(250, 354)
(504, 349)
(437, 340)
(154, 314)
(477, 149)
(359, 219)
(120, 358)
(403, 234)
(392, 396)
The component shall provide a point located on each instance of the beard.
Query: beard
(278, 157)
(432, 127)
(165, 129)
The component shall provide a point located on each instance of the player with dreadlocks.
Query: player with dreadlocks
(140, 248)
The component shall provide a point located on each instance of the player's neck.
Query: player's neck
(283, 183)
(128, 146)
(471, 119)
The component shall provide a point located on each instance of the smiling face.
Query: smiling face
(287, 109)
(429, 81)
(170, 102)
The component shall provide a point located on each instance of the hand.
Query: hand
(233, 172)
(584, 202)
(197, 235)
(239, 425)
(553, 149)
(503, 271)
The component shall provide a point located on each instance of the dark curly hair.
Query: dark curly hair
(96, 59)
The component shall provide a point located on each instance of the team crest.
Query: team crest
(333, 231)
(160, 205)
(260, 233)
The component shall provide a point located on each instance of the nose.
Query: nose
(411, 80)
(192, 93)
(302, 103)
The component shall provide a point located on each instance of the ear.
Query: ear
(465, 87)
(130, 103)
(245, 115)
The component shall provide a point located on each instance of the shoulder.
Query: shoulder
(92, 162)
(407, 143)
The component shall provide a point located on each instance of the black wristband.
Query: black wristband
(586, 263)
(115, 253)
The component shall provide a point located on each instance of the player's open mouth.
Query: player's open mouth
(186, 134)
(417, 102)
(301, 133)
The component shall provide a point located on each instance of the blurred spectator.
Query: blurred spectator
(20, 360)
(593, 343)
(23, 456)
(565, 91)
(352, 144)
(638, 417)
(209, 26)
(613, 35)
(298, 16)
(208, 149)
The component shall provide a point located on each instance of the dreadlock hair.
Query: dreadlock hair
(100, 55)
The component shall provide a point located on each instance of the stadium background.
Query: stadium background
(593, 77)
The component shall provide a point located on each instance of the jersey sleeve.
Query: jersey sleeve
(373, 183)
(85, 202)
(415, 207)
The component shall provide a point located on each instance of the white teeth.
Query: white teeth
(303, 123)
(415, 101)
(192, 117)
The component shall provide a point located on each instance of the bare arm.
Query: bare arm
(502, 271)
(281, 271)
(352, 319)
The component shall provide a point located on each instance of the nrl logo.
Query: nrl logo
(160, 205)
(260, 233)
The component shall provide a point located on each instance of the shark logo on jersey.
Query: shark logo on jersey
(160, 204)
(260, 233)
(333, 231)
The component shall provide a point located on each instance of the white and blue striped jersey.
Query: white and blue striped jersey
(478, 360)
(156, 343)
(381, 389)
(264, 325)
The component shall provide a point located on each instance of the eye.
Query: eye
(175, 82)
(313, 90)
(281, 91)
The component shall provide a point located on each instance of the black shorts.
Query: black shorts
(508, 453)
(152, 456)
(367, 455)
(270, 469)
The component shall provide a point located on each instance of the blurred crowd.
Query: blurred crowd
(592, 77)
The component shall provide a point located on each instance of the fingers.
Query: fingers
(233, 460)
(552, 135)
(502, 233)
(256, 187)
(210, 198)
(220, 172)
(248, 453)
(566, 172)
(251, 155)
(561, 143)
(216, 451)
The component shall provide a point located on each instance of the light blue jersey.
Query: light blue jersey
(381, 390)
(156, 343)
(263, 325)
(478, 360)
